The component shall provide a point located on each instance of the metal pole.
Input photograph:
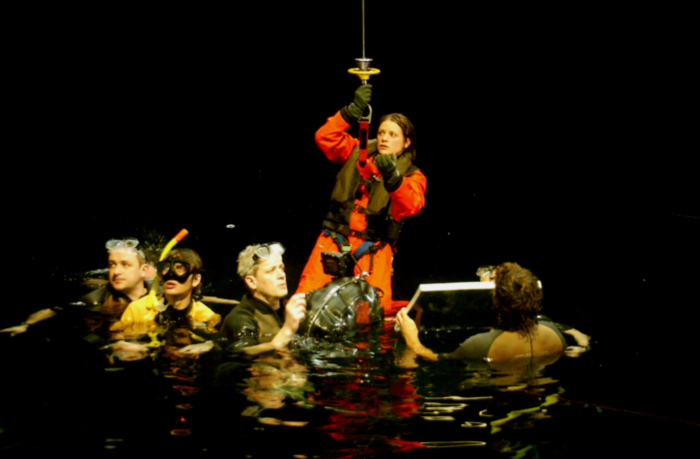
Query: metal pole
(363, 29)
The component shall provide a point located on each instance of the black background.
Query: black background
(553, 137)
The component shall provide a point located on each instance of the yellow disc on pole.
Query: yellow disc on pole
(363, 74)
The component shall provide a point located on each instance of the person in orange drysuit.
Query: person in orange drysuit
(369, 203)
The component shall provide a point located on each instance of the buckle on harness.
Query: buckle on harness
(367, 118)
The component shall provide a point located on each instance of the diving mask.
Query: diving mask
(176, 270)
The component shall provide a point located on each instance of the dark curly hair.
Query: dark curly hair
(517, 297)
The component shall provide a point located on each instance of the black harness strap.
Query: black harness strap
(360, 252)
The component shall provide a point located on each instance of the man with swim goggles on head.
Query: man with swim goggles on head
(128, 269)
(182, 281)
(262, 322)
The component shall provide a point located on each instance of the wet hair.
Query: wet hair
(409, 132)
(246, 265)
(517, 297)
(195, 261)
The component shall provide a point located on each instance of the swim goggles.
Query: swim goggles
(129, 243)
(176, 270)
(263, 252)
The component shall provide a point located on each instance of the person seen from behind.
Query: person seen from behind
(516, 298)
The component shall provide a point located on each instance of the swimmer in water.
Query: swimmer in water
(182, 284)
(578, 342)
(516, 297)
(256, 324)
(128, 270)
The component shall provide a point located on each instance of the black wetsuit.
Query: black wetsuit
(101, 296)
(92, 315)
(105, 299)
(176, 317)
(477, 347)
(250, 323)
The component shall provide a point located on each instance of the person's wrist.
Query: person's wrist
(347, 115)
(283, 336)
(410, 337)
(289, 329)
(394, 182)
(413, 343)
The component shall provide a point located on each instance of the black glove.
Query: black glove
(387, 167)
(351, 113)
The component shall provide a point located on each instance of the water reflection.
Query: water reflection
(274, 379)
(362, 398)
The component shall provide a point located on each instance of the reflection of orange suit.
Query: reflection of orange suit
(406, 201)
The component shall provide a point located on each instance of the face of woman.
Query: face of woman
(390, 139)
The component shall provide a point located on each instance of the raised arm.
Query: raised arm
(295, 311)
(331, 138)
(410, 334)
(333, 141)
(243, 329)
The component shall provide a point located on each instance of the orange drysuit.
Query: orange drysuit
(406, 201)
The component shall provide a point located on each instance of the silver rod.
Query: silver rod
(363, 29)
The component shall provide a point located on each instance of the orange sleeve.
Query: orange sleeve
(333, 141)
(409, 198)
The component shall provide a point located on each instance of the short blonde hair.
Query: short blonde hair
(246, 264)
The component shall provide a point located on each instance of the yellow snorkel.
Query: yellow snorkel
(156, 282)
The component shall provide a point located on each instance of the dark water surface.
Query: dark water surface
(549, 137)
(627, 284)
(366, 398)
